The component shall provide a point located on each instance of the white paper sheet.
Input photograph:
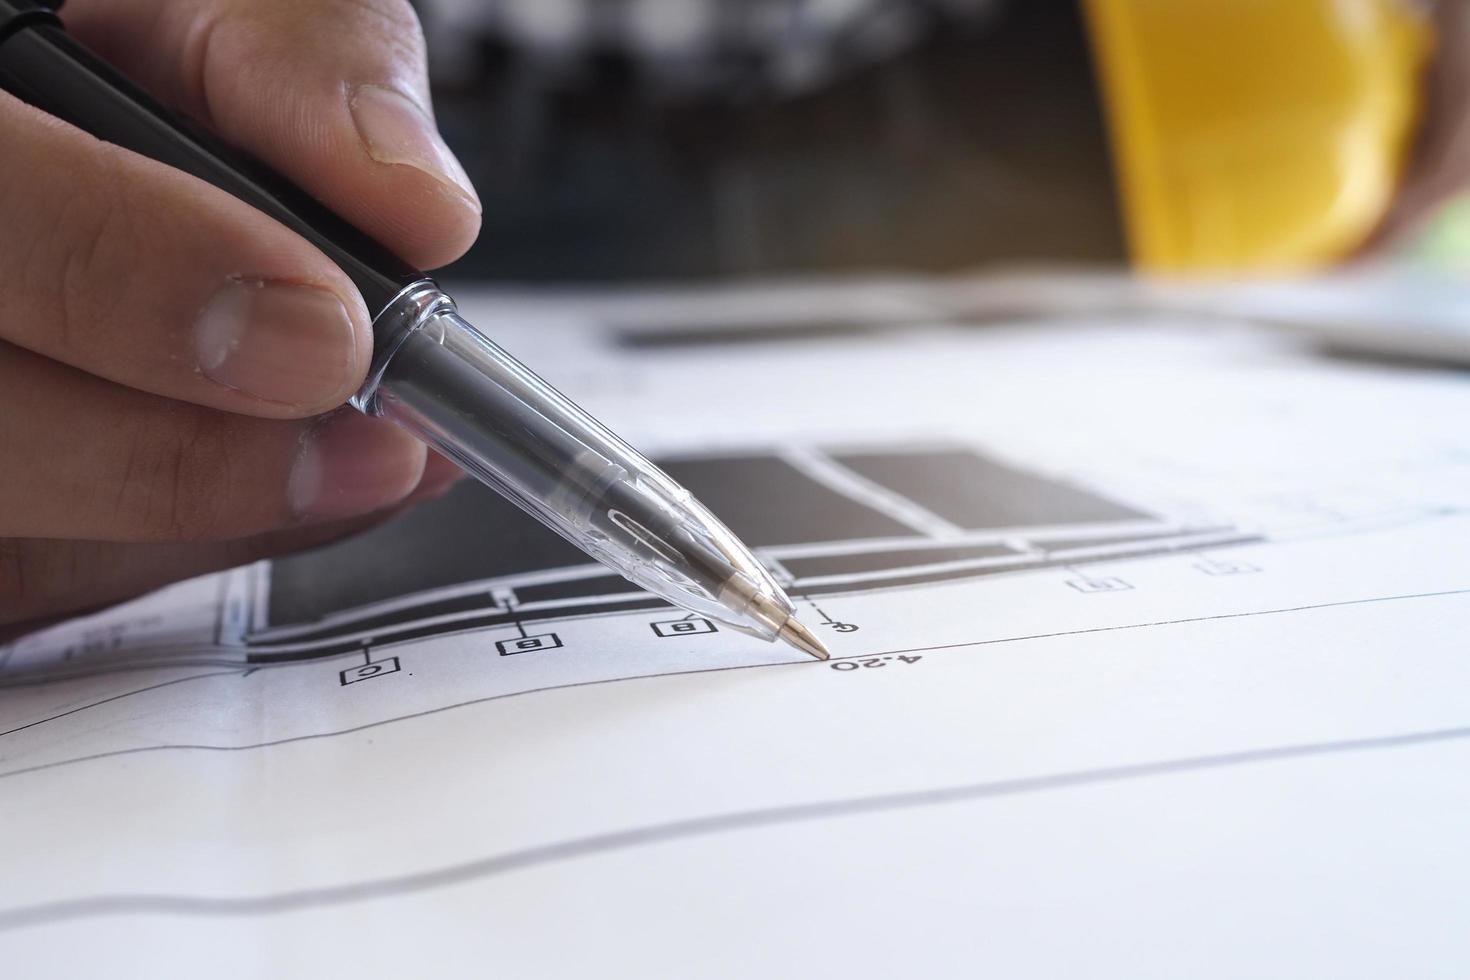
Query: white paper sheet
(1151, 662)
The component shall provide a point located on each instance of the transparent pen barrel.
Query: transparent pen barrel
(455, 389)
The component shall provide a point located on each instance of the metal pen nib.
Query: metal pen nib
(793, 632)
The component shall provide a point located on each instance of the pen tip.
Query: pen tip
(802, 638)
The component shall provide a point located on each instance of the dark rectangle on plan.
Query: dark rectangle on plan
(472, 533)
(577, 588)
(882, 561)
(974, 492)
(767, 501)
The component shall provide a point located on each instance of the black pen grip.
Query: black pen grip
(40, 64)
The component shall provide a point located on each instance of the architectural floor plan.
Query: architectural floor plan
(1148, 661)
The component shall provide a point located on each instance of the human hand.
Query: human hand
(172, 361)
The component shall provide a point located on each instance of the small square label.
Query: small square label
(683, 627)
(528, 644)
(366, 672)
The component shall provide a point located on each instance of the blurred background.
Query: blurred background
(674, 139)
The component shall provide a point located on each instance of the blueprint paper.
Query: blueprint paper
(1149, 660)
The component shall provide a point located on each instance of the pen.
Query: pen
(432, 372)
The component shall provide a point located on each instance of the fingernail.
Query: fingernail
(396, 131)
(350, 464)
(293, 345)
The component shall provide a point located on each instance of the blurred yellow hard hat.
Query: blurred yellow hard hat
(1256, 135)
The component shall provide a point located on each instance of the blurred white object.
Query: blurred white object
(695, 45)
(1383, 311)
(1388, 313)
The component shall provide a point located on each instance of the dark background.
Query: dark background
(980, 143)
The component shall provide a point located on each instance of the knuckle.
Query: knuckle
(369, 35)
(392, 23)
(397, 15)
(91, 229)
(181, 470)
(381, 18)
(195, 66)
